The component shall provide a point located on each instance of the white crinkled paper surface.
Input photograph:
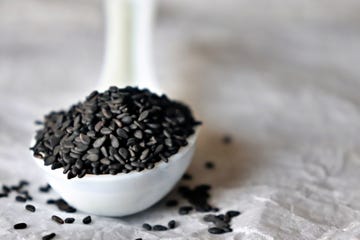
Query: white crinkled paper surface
(282, 78)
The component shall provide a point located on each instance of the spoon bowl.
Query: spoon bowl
(121, 194)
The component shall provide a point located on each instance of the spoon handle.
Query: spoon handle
(128, 44)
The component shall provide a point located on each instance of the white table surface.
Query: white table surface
(281, 77)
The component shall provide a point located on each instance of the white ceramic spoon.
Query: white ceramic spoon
(127, 62)
(128, 44)
(121, 194)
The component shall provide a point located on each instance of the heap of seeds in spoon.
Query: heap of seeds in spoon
(117, 131)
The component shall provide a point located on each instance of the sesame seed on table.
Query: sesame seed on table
(276, 86)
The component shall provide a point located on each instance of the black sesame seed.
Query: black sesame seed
(6, 189)
(131, 141)
(105, 161)
(164, 159)
(104, 168)
(71, 175)
(57, 219)
(117, 122)
(20, 226)
(215, 209)
(232, 213)
(56, 165)
(38, 122)
(74, 170)
(93, 151)
(62, 205)
(159, 228)
(106, 113)
(144, 154)
(150, 166)
(124, 153)
(148, 131)
(122, 133)
(115, 156)
(171, 203)
(91, 134)
(115, 166)
(74, 155)
(20, 199)
(143, 115)
(138, 134)
(114, 141)
(154, 125)
(147, 226)
(3, 195)
(209, 165)
(66, 169)
(203, 187)
(203, 208)
(30, 208)
(215, 230)
(49, 160)
(158, 149)
(172, 224)
(168, 142)
(82, 173)
(23, 183)
(166, 133)
(98, 126)
(68, 144)
(49, 236)
(69, 220)
(70, 209)
(128, 167)
(104, 151)
(92, 157)
(51, 201)
(185, 210)
(105, 131)
(45, 188)
(126, 119)
(84, 139)
(99, 142)
(92, 95)
(134, 164)
(152, 142)
(87, 220)
(28, 197)
(15, 188)
(227, 139)
(79, 164)
(186, 176)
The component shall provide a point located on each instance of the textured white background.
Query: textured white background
(282, 77)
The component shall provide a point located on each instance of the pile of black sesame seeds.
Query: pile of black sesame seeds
(117, 131)
(198, 200)
(22, 195)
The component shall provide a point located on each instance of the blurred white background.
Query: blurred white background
(51, 43)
